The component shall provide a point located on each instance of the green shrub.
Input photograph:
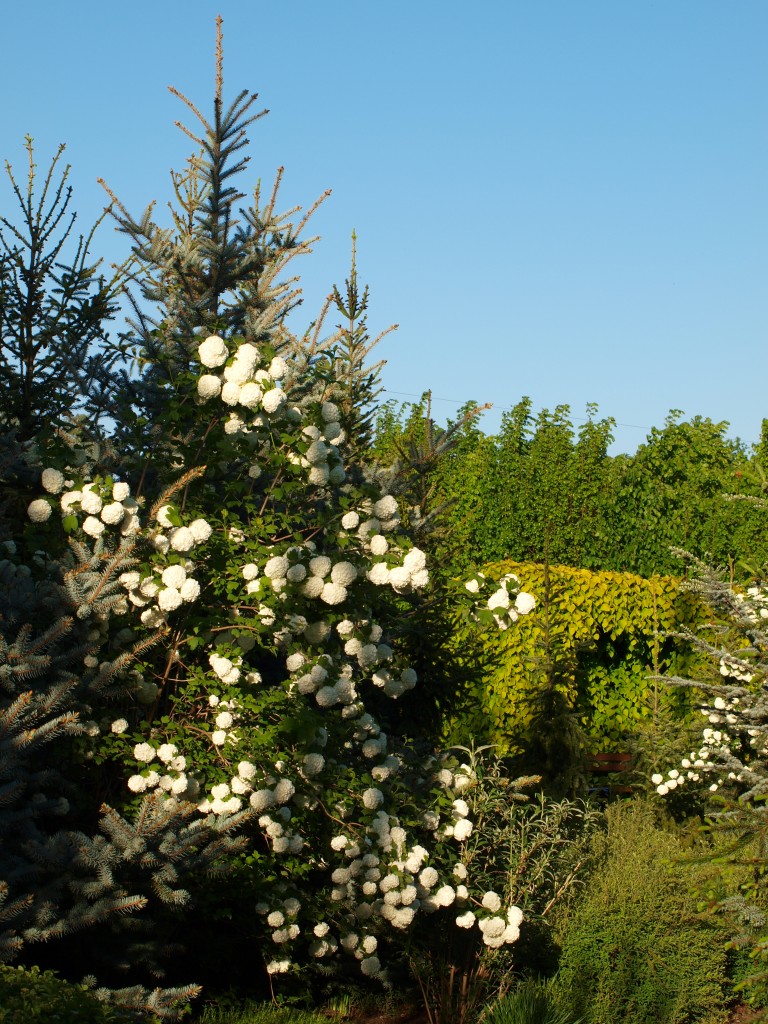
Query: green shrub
(533, 1002)
(29, 996)
(635, 949)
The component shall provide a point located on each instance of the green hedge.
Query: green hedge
(595, 638)
(635, 948)
(32, 996)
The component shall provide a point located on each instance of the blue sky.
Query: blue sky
(555, 199)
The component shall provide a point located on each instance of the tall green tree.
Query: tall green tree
(57, 360)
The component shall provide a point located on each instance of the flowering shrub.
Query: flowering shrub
(520, 858)
(257, 579)
(729, 769)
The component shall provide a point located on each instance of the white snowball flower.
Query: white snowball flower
(499, 600)
(113, 513)
(294, 662)
(492, 927)
(190, 590)
(169, 599)
(144, 752)
(465, 920)
(137, 784)
(371, 966)
(174, 576)
(514, 916)
(120, 491)
(39, 510)
(462, 829)
(373, 798)
(219, 737)
(343, 573)
(162, 516)
(284, 790)
(385, 508)
(208, 386)
(398, 578)
(119, 726)
(182, 539)
(224, 721)
(415, 560)
(276, 567)
(320, 565)
(444, 896)
(52, 481)
(272, 400)
(250, 395)
(420, 578)
(230, 393)
(313, 586)
(278, 966)
(333, 593)
(200, 530)
(296, 573)
(350, 521)
(91, 502)
(278, 368)
(379, 544)
(378, 574)
(313, 764)
(261, 800)
(317, 453)
(492, 901)
(329, 411)
(319, 476)
(152, 617)
(213, 351)
(428, 878)
(69, 499)
(525, 603)
(93, 526)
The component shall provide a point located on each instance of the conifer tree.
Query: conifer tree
(69, 861)
(57, 361)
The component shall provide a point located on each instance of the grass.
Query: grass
(259, 1013)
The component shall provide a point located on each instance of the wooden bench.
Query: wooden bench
(610, 764)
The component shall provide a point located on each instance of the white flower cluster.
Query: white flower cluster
(715, 750)
(172, 778)
(507, 602)
(98, 504)
(322, 458)
(371, 520)
(410, 574)
(384, 880)
(244, 382)
(758, 602)
(249, 387)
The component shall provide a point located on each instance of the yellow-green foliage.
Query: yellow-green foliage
(595, 638)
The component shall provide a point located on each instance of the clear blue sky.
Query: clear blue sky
(567, 200)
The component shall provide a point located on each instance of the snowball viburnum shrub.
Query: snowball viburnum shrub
(732, 755)
(263, 596)
(264, 623)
